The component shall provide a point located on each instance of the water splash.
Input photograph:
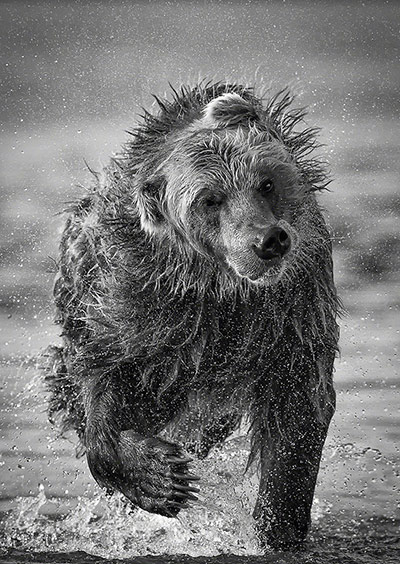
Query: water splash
(109, 526)
(219, 523)
(28, 510)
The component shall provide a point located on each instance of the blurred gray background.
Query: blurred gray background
(76, 74)
(74, 77)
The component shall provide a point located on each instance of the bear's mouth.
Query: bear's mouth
(262, 272)
(271, 275)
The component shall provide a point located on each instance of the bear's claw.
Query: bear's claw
(176, 460)
(186, 488)
(181, 491)
(188, 477)
(175, 505)
(183, 494)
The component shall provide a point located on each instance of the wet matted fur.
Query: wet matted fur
(174, 326)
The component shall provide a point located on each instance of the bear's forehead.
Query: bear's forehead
(235, 161)
(239, 148)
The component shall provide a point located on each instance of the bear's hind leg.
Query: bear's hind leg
(214, 434)
(203, 423)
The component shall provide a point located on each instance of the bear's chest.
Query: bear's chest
(233, 343)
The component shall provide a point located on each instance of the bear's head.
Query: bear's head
(227, 187)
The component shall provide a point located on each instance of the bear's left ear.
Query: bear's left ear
(149, 202)
(229, 110)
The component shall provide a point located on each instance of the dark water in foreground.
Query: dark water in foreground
(375, 542)
(372, 542)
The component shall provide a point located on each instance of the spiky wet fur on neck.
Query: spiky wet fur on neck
(127, 299)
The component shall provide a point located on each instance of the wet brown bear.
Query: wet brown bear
(195, 287)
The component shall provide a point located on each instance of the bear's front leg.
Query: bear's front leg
(290, 457)
(123, 454)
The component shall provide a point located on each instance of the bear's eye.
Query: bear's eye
(213, 201)
(266, 186)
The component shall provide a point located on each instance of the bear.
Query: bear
(194, 289)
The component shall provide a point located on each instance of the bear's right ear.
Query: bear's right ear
(149, 202)
(229, 110)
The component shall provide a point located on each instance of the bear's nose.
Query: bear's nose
(275, 244)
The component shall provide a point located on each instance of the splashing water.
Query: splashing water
(220, 523)
(109, 526)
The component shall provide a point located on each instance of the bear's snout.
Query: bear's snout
(276, 244)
